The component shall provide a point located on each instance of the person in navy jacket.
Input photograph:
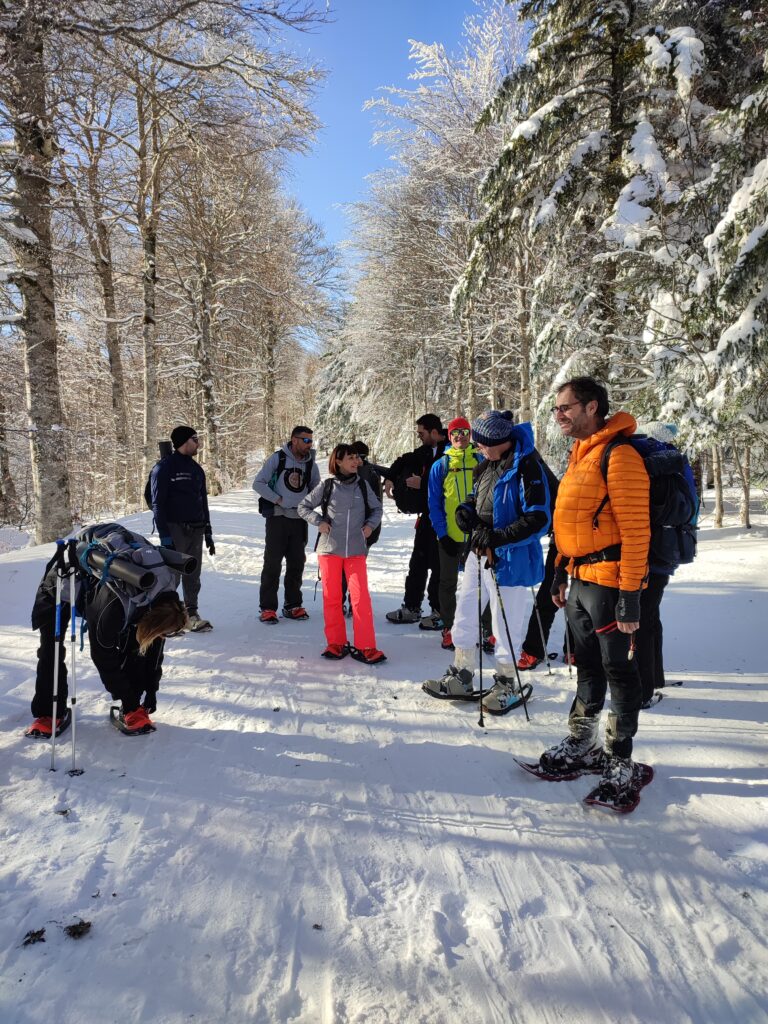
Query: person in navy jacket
(506, 516)
(180, 508)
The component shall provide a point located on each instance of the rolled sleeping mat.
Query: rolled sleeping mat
(165, 448)
(177, 560)
(121, 569)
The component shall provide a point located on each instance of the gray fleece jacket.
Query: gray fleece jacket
(346, 514)
(289, 485)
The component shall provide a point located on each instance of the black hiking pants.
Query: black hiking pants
(42, 702)
(650, 636)
(602, 662)
(284, 539)
(547, 611)
(188, 539)
(425, 561)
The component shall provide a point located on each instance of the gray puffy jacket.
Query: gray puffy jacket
(346, 514)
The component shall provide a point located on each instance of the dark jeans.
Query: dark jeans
(425, 561)
(602, 662)
(42, 702)
(650, 636)
(532, 643)
(285, 539)
(188, 539)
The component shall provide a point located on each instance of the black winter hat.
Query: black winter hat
(180, 435)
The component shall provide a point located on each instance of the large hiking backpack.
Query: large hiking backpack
(266, 507)
(674, 501)
(408, 499)
(115, 542)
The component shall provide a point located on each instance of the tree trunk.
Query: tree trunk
(147, 217)
(745, 474)
(270, 370)
(30, 240)
(9, 501)
(211, 452)
(717, 474)
(471, 385)
(458, 387)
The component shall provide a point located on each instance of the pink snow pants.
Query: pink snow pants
(354, 568)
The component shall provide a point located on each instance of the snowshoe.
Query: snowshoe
(619, 789)
(579, 753)
(369, 656)
(335, 652)
(269, 617)
(135, 723)
(299, 614)
(502, 697)
(536, 769)
(456, 684)
(42, 727)
(432, 622)
(489, 643)
(446, 642)
(403, 614)
(528, 661)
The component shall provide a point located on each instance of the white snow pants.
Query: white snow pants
(465, 626)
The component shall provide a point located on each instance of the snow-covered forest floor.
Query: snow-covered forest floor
(322, 843)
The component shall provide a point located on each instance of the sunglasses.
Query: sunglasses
(460, 432)
(306, 440)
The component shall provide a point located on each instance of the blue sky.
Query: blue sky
(364, 48)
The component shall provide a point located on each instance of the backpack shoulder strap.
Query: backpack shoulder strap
(361, 485)
(621, 439)
(308, 472)
(324, 501)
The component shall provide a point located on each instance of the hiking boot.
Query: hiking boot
(456, 684)
(527, 661)
(404, 614)
(576, 753)
(569, 659)
(503, 697)
(335, 652)
(199, 625)
(433, 621)
(295, 613)
(447, 641)
(489, 643)
(369, 655)
(42, 727)
(135, 722)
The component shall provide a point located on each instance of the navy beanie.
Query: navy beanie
(493, 427)
(180, 435)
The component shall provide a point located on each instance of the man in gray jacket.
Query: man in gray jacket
(284, 479)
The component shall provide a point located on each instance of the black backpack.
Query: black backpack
(266, 507)
(409, 500)
(673, 501)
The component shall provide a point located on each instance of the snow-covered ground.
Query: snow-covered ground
(316, 842)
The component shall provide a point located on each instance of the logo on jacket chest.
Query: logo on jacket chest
(294, 480)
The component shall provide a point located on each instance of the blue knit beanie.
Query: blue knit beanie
(493, 427)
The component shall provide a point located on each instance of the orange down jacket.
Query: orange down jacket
(625, 518)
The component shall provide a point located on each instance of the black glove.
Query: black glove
(560, 579)
(150, 701)
(628, 606)
(466, 517)
(449, 545)
(209, 544)
(167, 542)
(481, 538)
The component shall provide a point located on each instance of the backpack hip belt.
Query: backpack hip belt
(610, 554)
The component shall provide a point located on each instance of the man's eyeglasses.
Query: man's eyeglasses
(460, 432)
(564, 408)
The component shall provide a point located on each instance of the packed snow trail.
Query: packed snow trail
(322, 843)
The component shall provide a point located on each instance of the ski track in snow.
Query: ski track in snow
(320, 842)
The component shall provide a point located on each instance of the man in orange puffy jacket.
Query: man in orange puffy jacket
(602, 532)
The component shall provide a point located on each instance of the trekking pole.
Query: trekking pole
(481, 720)
(568, 642)
(523, 698)
(73, 563)
(60, 570)
(541, 631)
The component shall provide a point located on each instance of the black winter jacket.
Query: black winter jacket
(179, 493)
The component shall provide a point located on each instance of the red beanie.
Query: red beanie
(458, 424)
